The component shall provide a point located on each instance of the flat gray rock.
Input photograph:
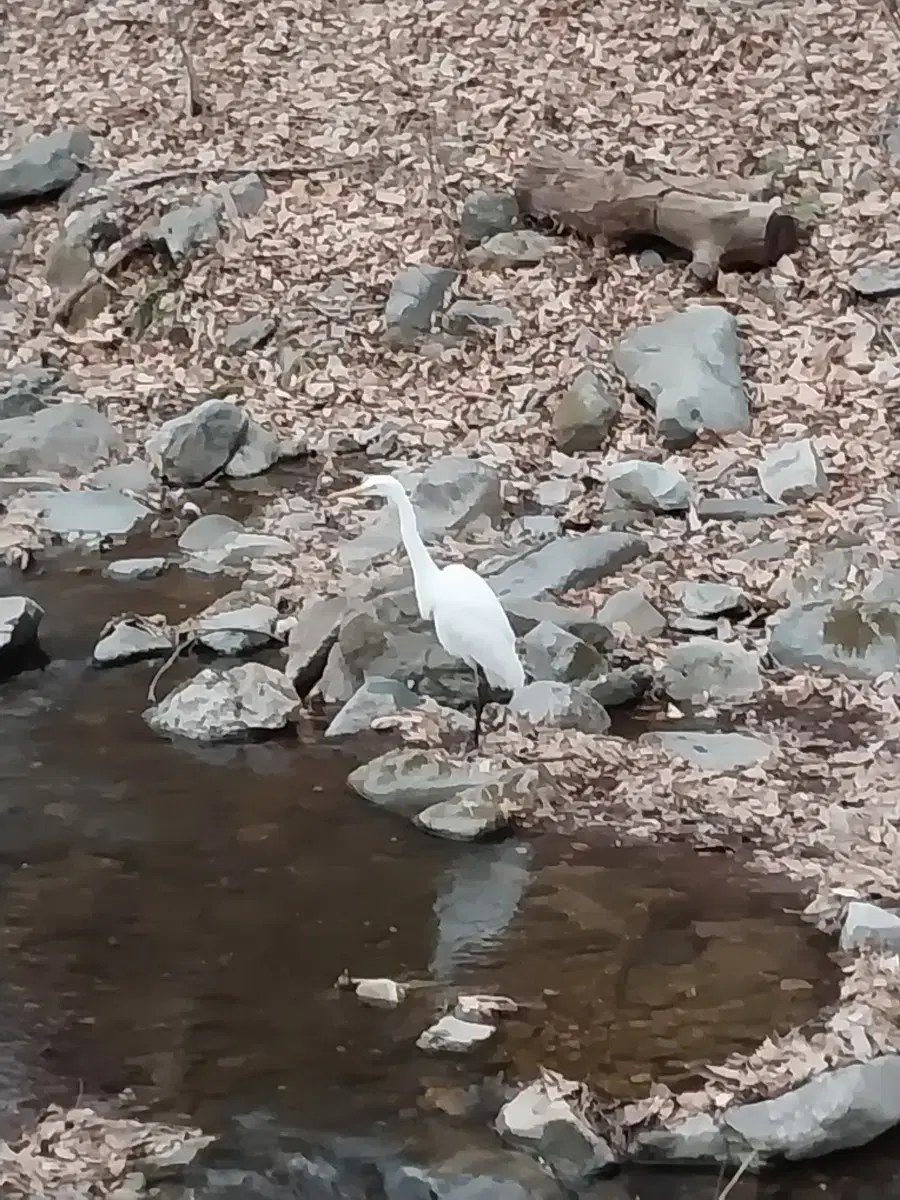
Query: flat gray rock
(584, 414)
(472, 815)
(409, 781)
(705, 668)
(190, 227)
(792, 471)
(69, 439)
(560, 706)
(549, 652)
(226, 705)
(44, 166)
(192, 448)
(702, 599)
(105, 513)
(851, 639)
(237, 630)
(20, 619)
(517, 248)
(567, 562)
(129, 640)
(687, 368)
(416, 294)
(377, 697)
(129, 570)
(657, 487)
(246, 335)
(632, 611)
(715, 751)
(210, 532)
(878, 280)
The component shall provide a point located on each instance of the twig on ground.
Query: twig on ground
(193, 103)
(129, 246)
(289, 169)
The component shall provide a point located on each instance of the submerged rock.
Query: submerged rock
(585, 414)
(542, 1116)
(410, 780)
(378, 697)
(129, 639)
(705, 668)
(20, 619)
(223, 705)
(559, 705)
(211, 532)
(567, 563)
(192, 448)
(687, 368)
(853, 639)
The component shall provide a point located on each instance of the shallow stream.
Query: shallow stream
(173, 920)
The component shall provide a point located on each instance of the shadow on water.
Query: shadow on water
(173, 919)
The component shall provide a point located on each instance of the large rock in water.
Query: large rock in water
(687, 368)
(566, 562)
(855, 639)
(409, 781)
(68, 439)
(224, 705)
(192, 448)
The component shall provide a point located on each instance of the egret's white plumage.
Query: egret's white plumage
(469, 620)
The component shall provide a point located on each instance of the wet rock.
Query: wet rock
(129, 570)
(484, 213)
(687, 368)
(470, 316)
(632, 611)
(43, 167)
(377, 697)
(475, 1173)
(715, 751)
(618, 687)
(410, 780)
(559, 705)
(311, 639)
(702, 599)
(585, 414)
(838, 1110)
(568, 562)
(190, 449)
(877, 281)
(105, 513)
(237, 630)
(793, 471)
(737, 508)
(381, 993)
(416, 295)
(225, 705)
(549, 652)
(129, 639)
(20, 619)
(69, 439)
(472, 815)
(852, 639)
(247, 335)
(454, 1035)
(657, 487)
(259, 451)
(210, 532)
(867, 924)
(28, 389)
(542, 1117)
(517, 248)
(705, 668)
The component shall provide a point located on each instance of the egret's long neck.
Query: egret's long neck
(425, 570)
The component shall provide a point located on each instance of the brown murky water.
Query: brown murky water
(173, 918)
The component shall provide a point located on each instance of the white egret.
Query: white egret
(469, 620)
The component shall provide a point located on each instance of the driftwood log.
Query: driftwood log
(720, 222)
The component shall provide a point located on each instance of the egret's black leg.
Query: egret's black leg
(483, 697)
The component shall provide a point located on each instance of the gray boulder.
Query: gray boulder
(549, 652)
(687, 368)
(409, 781)
(236, 630)
(583, 622)
(543, 1118)
(488, 808)
(705, 668)
(311, 639)
(793, 471)
(560, 706)
(416, 294)
(567, 562)
(867, 924)
(68, 439)
(12, 238)
(377, 697)
(618, 687)
(43, 167)
(851, 639)
(259, 451)
(484, 213)
(129, 639)
(702, 599)
(584, 415)
(226, 705)
(20, 619)
(878, 281)
(654, 486)
(190, 449)
(632, 611)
